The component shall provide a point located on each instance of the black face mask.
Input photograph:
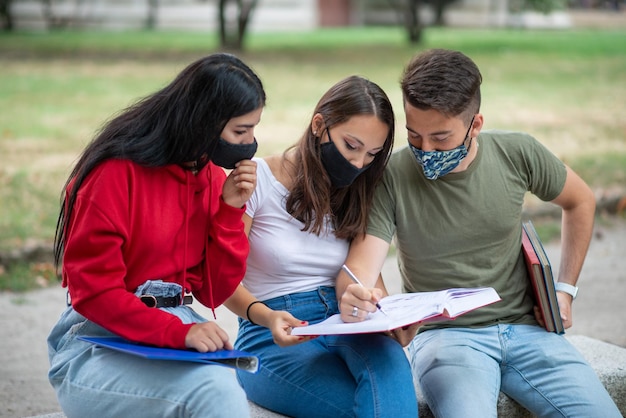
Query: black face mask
(341, 172)
(227, 155)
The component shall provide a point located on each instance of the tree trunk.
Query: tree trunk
(6, 18)
(233, 38)
(153, 7)
(413, 22)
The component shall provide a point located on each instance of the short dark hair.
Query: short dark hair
(444, 80)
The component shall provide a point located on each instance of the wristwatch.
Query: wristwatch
(567, 288)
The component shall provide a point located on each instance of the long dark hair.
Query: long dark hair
(179, 123)
(312, 197)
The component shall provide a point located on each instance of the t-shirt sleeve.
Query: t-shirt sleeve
(263, 178)
(381, 223)
(547, 173)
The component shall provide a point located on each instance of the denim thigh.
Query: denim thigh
(462, 370)
(537, 365)
(96, 381)
(364, 375)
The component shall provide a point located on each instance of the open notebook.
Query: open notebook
(408, 308)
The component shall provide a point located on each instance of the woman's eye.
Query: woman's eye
(240, 132)
(350, 146)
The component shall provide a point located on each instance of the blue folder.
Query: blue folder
(230, 358)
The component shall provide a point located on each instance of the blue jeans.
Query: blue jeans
(365, 375)
(461, 372)
(91, 381)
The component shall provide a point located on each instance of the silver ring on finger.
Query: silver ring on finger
(355, 311)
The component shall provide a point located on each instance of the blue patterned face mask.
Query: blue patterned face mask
(439, 163)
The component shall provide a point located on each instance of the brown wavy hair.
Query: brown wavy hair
(312, 199)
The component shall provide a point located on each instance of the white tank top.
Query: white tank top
(283, 259)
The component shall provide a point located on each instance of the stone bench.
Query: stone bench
(608, 360)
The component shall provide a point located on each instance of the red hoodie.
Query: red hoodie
(131, 224)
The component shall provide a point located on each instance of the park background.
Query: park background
(559, 76)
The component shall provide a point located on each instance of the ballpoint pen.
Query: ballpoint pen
(357, 281)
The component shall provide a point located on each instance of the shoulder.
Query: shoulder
(401, 164)
(264, 172)
(278, 168)
(112, 171)
(400, 158)
(506, 139)
(512, 144)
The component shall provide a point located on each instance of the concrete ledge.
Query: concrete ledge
(608, 360)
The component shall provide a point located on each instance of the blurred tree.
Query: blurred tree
(6, 18)
(409, 11)
(439, 7)
(232, 34)
(153, 9)
(412, 20)
(53, 21)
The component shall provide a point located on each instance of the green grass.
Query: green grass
(567, 88)
(602, 170)
(581, 42)
(22, 276)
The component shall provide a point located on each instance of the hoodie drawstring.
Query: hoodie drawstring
(206, 244)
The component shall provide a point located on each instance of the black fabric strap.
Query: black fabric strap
(165, 302)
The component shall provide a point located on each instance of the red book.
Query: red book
(540, 275)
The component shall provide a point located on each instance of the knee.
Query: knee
(222, 394)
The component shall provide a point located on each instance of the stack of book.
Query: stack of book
(540, 273)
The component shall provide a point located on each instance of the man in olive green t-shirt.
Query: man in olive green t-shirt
(452, 199)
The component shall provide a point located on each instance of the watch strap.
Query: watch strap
(567, 288)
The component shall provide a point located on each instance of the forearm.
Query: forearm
(242, 303)
(365, 259)
(226, 253)
(579, 205)
(576, 232)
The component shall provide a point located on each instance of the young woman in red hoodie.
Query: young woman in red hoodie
(149, 218)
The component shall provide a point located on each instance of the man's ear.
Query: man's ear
(477, 125)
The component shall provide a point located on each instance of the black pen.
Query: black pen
(357, 281)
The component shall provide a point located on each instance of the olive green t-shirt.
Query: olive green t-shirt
(465, 229)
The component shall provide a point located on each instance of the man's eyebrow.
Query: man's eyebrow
(446, 132)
